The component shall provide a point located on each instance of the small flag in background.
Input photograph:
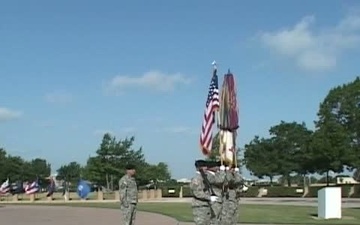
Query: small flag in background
(212, 104)
(5, 187)
(83, 189)
(51, 187)
(33, 187)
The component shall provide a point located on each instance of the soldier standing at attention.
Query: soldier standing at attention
(216, 178)
(128, 195)
(231, 199)
(202, 195)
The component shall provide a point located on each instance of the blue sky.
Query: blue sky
(72, 70)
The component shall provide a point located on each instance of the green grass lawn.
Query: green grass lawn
(273, 214)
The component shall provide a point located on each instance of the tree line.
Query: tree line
(105, 168)
(108, 165)
(292, 148)
(18, 169)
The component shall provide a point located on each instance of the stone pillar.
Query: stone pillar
(181, 192)
(32, 197)
(15, 197)
(50, 198)
(117, 196)
(100, 195)
(144, 194)
(152, 193)
(67, 196)
(159, 193)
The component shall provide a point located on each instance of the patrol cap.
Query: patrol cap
(212, 164)
(130, 166)
(201, 163)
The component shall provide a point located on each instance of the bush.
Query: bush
(187, 192)
(345, 190)
(166, 194)
(252, 192)
(283, 192)
(357, 192)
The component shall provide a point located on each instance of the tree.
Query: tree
(337, 137)
(291, 141)
(111, 158)
(70, 172)
(260, 157)
(154, 174)
(17, 169)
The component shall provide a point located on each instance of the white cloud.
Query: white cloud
(7, 114)
(151, 80)
(315, 50)
(59, 97)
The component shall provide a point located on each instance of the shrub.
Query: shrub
(313, 191)
(167, 194)
(357, 192)
(187, 192)
(283, 192)
(251, 192)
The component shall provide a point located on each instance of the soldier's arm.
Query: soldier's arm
(220, 177)
(238, 179)
(123, 190)
(210, 177)
(198, 190)
(229, 176)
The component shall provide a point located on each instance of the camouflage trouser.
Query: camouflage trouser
(217, 209)
(230, 212)
(128, 214)
(202, 215)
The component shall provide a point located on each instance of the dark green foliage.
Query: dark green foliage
(18, 169)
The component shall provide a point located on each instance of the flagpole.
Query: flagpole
(217, 116)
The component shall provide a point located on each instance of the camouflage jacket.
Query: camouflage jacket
(199, 191)
(234, 185)
(216, 179)
(128, 190)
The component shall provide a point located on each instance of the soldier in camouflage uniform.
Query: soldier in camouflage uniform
(128, 195)
(216, 177)
(202, 199)
(231, 199)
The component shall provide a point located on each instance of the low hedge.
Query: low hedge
(252, 192)
(283, 192)
(167, 194)
(272, 191)
(313, 191)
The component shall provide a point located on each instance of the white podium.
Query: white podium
(329, 203)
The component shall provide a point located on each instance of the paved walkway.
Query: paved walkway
(61, 215)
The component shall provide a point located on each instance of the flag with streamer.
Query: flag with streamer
(211, 106)
(229, 120)
(33, 187)
(51, 187)
(5, 187)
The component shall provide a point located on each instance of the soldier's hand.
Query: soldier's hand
(236, 169)
(222, 168)
(214, 198)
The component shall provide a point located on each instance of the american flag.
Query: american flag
(5, 187)
(212, 104)
(33, 187)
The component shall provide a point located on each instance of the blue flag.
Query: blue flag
(83, 189)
